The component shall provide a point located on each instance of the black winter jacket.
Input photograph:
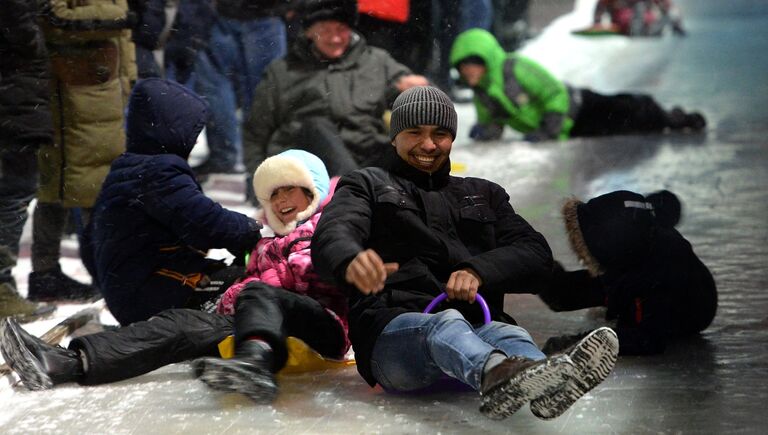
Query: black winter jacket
(25, 116)
(432, 225)
(151, 217)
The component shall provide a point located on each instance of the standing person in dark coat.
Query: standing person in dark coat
(25, 124)
(93, 67)
(638, 266)
(397, 237)
(328, 95)
(152, 225)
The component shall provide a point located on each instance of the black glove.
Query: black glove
(484, 132)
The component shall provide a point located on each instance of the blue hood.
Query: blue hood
(164, 117)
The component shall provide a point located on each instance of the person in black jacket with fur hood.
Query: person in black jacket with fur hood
(398, 237)
(638, 266)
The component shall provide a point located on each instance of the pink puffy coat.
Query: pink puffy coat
(285, 262)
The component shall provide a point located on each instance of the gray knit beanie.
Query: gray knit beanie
(422, 105)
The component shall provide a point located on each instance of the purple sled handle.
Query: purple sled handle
(483, 305)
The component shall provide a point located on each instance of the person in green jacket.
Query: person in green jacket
(513, 90)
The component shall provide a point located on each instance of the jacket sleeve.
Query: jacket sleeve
(344, 227)
(546, 92)
(100, 20)
(395, 71)
(263, 120)
(522, 260)
(177, 202)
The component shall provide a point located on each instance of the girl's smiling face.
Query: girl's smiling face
(289, 201)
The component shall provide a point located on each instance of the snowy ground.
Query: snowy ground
(712, 384)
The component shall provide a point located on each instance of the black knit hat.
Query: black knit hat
(312, 11)
(422, 105)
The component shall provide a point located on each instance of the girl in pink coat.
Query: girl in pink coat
(281, 296)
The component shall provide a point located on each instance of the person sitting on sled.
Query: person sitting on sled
(638, 266)
(281, 296)
(397, 237)
(516, 91)
(152, 225)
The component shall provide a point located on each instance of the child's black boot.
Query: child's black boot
(39, 365)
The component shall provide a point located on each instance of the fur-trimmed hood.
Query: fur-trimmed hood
(617, 230)
(290, 168)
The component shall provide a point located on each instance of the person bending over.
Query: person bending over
(638, 266)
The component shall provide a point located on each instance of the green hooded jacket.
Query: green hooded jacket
(515, 90)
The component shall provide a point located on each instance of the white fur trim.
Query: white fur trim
(280, 171)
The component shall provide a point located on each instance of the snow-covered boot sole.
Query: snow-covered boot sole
(594, 357)
(21, 360)
(231, 375)
(506, 398)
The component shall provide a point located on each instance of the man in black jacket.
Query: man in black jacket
(402, 235)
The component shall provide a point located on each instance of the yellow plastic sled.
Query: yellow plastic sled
(301, 358)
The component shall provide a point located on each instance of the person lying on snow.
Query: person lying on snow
(281, 296)
(638, 266)
(398, 237)
(513, 90)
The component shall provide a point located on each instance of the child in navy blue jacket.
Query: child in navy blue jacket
(152, 225)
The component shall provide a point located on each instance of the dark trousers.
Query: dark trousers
(273, 314)
(176, 335)
(48, 222)
(18, 184)
(603, 115)
(170, 337)
(320, 137)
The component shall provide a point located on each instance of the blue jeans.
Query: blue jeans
(415, 350)
(226, 74)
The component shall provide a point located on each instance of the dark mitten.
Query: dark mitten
(568, 291)
(485, 132)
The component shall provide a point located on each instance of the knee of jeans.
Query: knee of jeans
(450, 315)
(506, 329)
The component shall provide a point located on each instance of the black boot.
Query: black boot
(517, 381)
(250, 372)
(39, 365)
(678, 119)
(593, 359)
(54, 285)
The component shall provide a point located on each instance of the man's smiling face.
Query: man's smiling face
(425, 147)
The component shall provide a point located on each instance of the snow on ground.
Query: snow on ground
(715, 384)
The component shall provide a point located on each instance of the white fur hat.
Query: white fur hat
(290, 168)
